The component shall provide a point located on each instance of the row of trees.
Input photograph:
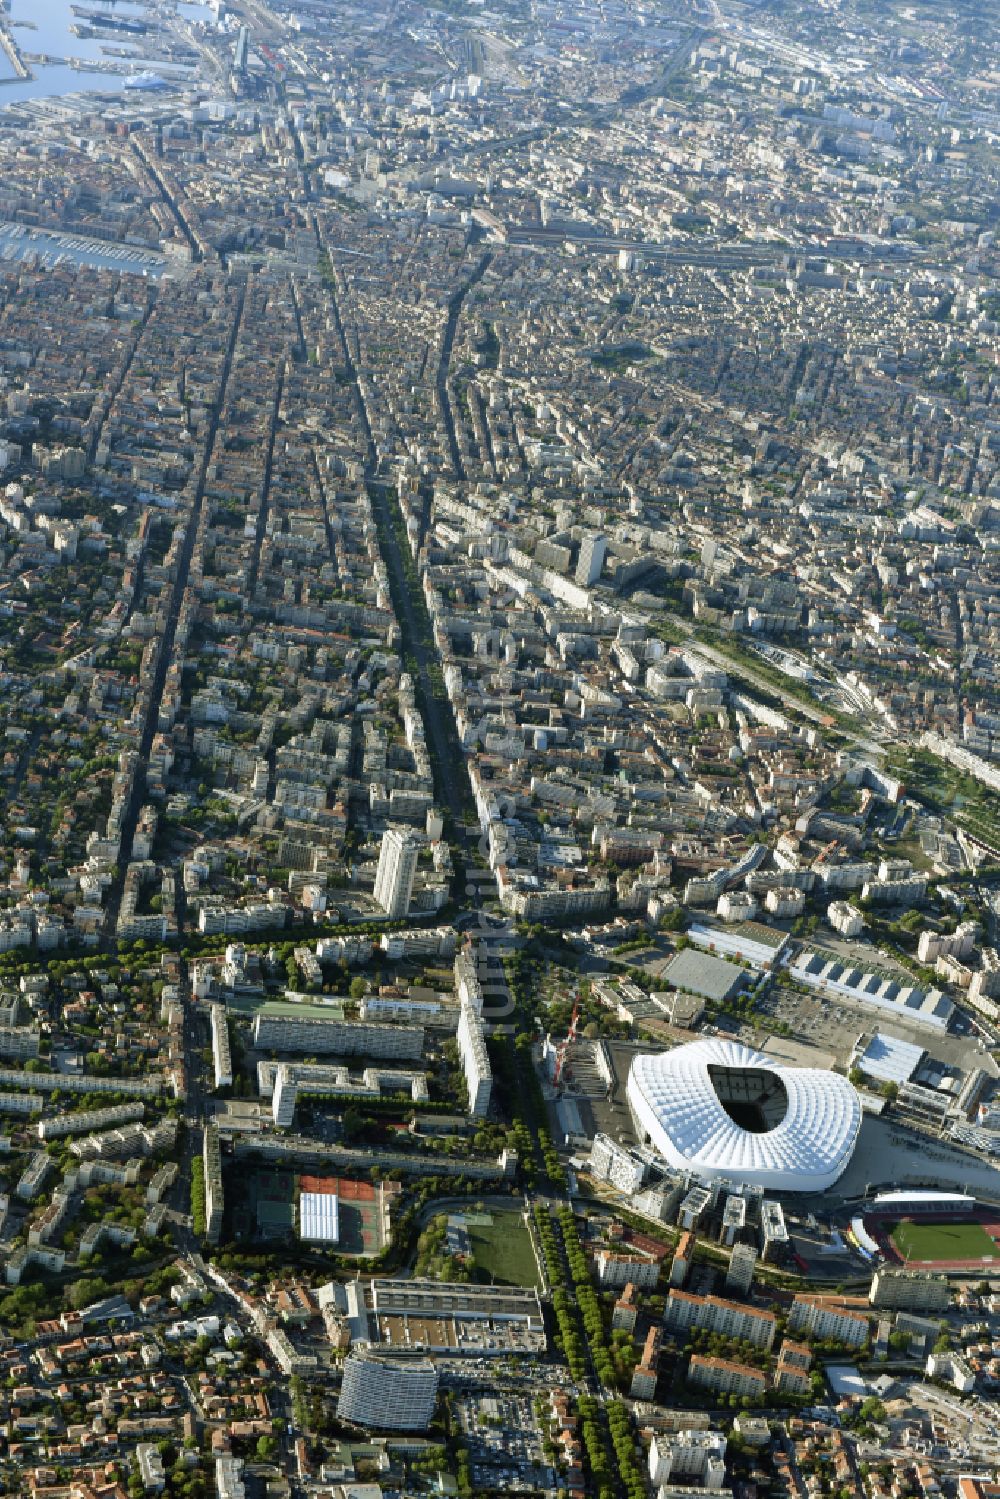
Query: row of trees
(578, 1306)
(588, 1305)
(523, 1088)
(562, 1303)
(603, 1470)
(198, 1196)
(512, 1066)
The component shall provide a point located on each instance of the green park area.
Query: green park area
(939, 1242)
(502, 1249)
(949, 791)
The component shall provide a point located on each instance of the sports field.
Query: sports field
(360, 1216)
(501, 1249)
(930, 1243)
(271, 1202)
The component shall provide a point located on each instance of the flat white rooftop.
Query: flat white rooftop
(319, 1218)
(891, 1059)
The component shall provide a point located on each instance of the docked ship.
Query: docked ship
(146, 81)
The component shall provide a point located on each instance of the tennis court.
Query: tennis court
(360, 1212)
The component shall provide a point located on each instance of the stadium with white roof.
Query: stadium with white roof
(728, 1113)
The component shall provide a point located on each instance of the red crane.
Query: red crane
(564, 1046)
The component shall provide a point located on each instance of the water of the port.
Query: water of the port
(46, 247)
(50, 22)
(43, 26)
(193, 10)
(51, 83)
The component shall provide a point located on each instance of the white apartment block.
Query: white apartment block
(419, 942)
(739, 1276)
(468, 986)
(255, 916)
(906, 1290)
(684, 1311)
(593, 550)
(618, 1165)
(285, 1097)
(957, 944)
(283, 1082)
(687, 1458)
(617, 1270)
(19, 1041)
(348, 1038)
(58, 1082)
(229, 1478)
(475, 1061)
(212, 1163)
(290, 1360)
(34, 1176)
(845, 918)
(221, 1056)
(953, 1369)
(397, 866)
(818, 1320)
(93, 1119)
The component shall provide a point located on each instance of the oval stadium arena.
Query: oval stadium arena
(728, 1113)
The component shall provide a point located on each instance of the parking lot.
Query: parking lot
(820, 1022)
(504, 1441)
(833, 1026)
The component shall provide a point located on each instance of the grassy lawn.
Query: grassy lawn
(943, 1241)
(950, 791)
(502, 1250)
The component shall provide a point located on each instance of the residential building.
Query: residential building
(292, 1361)
(387, 1391)
(475, 1061)
(953, 1370)
(682, 1260)
(774, 1231)
(645, 1373)
(688, 1457)
(214, 1202)
(347, 1038)
(626, 1309)
(791, 1373)
(729, 1318)
(617, 1270)
(229, 1478)
(397, 866)
(722, 1376)
(154, 1479)
(828, 1323)
(739, 1276)
(593, 549)
(908, 1290)
(611, 1162)
(845, 918)
(89, 1119)
(221, 1057)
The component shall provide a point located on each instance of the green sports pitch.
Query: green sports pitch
(938, 1243)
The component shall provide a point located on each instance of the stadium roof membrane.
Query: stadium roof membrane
(726, 1112)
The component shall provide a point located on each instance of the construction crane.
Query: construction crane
(825, 853)
(564, 1046)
